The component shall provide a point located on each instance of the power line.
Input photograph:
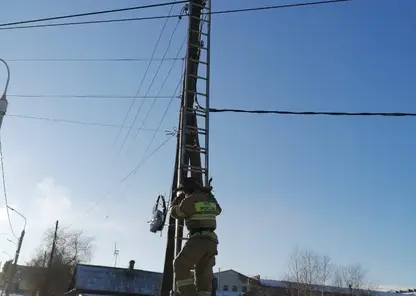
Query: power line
(313, 113)
(91, 13)
(102, 198)
(134, 171)
(144, 158)
(5, 191)
(141, 84)
(89, 22)
(252, 9)
(78, 60)
(219, 12)
(163, 83)
(60, 96)
(72, 121)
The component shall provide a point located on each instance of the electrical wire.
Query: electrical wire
(71, 121)
(60, 96)
(143, 160)
(5, 190)
(89, 22)
(91, 13)
(252, 9)
(219, 12)
(161, 87)
(141, 84)
(170, 70)
(215, 110)
(313, 113)
(92, 60)
(102, 198)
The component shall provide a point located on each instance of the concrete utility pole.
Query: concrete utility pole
(13, 267)
(55, 236)
(53, 245)
(189, 149)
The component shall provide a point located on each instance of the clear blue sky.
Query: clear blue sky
(342, 186)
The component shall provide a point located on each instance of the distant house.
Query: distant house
(103, 280)
(23, 280)
(231, 282)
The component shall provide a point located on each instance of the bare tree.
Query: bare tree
(354, 276)
(307, 270)
(338, 277)
(326, 271)
(71, 247)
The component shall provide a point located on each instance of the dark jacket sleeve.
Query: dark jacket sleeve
(175, 213)
(184, 209)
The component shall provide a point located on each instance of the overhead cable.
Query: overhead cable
(160, 88)
(141, 83)
(68, 16)
(60, 96)
(78, 60)
(143, 160)
(219, 12)
(103, 197)
(313, 113)
(5, 191)
(71, 121)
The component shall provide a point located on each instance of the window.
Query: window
(244, 289)
(225, 288)
(235, 289)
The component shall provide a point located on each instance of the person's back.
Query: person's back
(199, 209)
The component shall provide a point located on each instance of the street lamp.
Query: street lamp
(3, 99)
(9, 240)
(7, 254)
(20, 214)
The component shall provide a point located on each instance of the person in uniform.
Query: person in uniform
(199, 208)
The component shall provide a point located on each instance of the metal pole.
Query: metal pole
(189, 119)
(55, 236)
(13, 267)
(20, 214)
(3, 99)
(188, 160)
(167, 279)
(53, 245)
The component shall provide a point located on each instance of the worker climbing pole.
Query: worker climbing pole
(191, 196)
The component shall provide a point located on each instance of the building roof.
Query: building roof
(282, 284)
(233, 271)
(227, 293)
(102, 280)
